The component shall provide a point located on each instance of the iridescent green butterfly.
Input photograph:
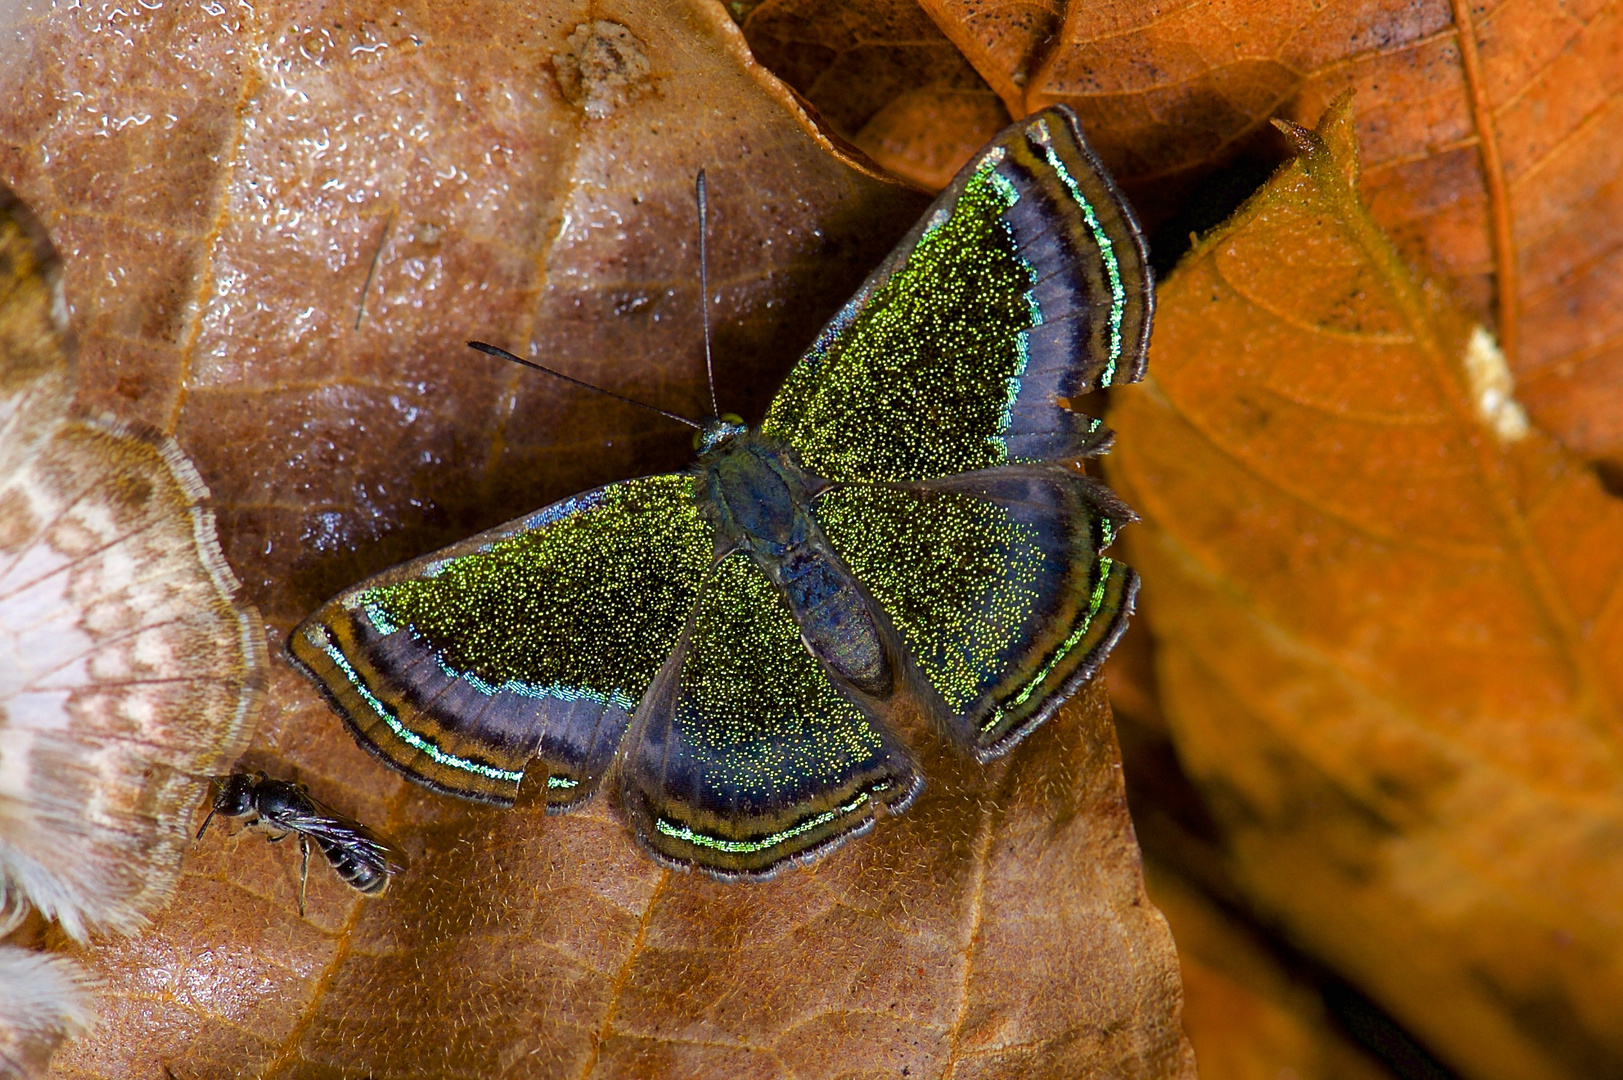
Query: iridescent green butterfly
(734, 649)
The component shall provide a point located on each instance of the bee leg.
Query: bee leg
(304, 868)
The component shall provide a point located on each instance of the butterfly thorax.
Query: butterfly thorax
(754, 491)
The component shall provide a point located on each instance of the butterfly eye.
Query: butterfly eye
(732, 418)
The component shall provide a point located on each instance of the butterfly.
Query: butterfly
(733, 650)
(129, 668)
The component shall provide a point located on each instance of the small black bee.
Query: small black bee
(362, 857)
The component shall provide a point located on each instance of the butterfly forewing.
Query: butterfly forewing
(746, 756)
(949, 379)
(128, 667)
(1024, 286)
(536, 639)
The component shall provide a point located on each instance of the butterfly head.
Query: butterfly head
(717, 433)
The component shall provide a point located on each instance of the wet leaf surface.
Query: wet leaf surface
(1389, 629)
(279, 224)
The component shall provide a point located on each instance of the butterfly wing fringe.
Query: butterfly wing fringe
(44, 1001)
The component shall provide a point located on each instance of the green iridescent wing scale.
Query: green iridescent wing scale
(534, 640)
(939, 403)
(1025, 286)
(744, 757)
(998, 584)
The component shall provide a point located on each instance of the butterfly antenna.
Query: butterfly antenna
(704, 289)
(505, 355)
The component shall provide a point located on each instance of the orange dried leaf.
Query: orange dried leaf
(1389, 624)
(1491, 135)
(1003, 39)
(1248, 1016)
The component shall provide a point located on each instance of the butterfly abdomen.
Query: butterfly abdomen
(835, 622)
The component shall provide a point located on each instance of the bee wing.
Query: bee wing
(367, 844)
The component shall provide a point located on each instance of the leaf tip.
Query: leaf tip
(1332, 140)
(1337, 133)
(1306, 142)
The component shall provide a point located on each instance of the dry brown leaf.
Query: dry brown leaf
(279, 224)
(1008, 940)
(882, 74)
(1389, 631)
(1006, 41)
(1492, 135)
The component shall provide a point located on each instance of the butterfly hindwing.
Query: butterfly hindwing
(536, 639)
(746, 757)
(1025, 286)
(997, 582)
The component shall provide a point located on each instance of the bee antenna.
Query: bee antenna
(204, 828)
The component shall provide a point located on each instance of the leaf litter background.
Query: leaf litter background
(279, 225)
(1444, 843)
